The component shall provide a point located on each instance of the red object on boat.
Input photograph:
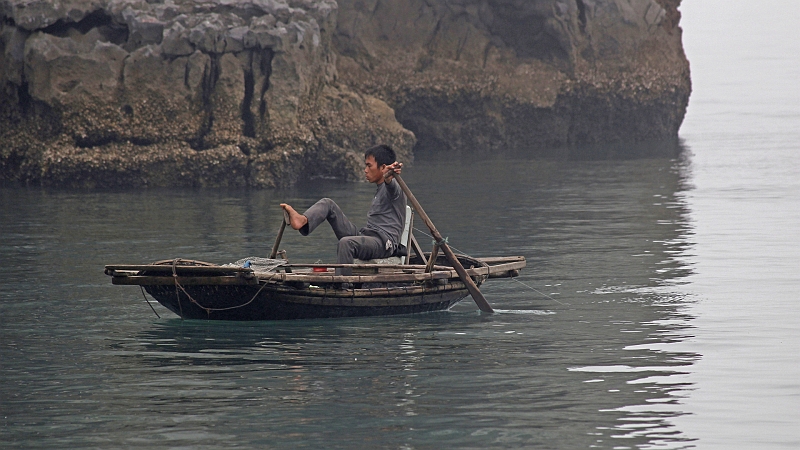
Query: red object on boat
(320, 269)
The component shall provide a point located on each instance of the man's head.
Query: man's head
(383, 154)
(375, 160)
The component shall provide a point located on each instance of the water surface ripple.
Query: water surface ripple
(573, 364)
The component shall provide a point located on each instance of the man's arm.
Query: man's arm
(388, 175)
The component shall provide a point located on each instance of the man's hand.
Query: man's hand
(392, 169)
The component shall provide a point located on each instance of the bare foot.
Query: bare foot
(296, 220)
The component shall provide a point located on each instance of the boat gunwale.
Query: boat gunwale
(131, 274)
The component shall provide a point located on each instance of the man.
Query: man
(381, 236)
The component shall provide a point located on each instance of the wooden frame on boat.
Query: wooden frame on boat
(199, 290)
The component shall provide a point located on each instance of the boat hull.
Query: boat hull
(254, 302)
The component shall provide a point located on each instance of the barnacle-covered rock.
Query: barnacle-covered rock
(196, 89)
(266, 92)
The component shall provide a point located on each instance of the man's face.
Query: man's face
(372, 171)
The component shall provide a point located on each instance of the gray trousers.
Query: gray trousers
(352, 243)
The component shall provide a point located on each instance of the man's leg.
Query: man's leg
(327, 209)
(361, 247)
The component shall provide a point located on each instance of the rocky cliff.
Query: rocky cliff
(534, 75)
(269, 92)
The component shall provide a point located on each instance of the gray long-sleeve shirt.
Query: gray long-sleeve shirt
(387, 215)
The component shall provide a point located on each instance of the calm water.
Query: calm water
(659, 308)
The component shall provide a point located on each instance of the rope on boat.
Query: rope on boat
(239, 306)
(443, 241)
(148, 301)
(513, 278)
(539, 292)
(204, 308)
(177, 285)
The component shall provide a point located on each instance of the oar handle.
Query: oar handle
(476, 294)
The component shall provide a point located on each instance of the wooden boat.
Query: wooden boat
(275, 289)
(200, 290)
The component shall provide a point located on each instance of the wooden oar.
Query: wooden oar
(274, 251)
(480, 300)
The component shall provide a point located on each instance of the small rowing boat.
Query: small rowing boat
(274, 289)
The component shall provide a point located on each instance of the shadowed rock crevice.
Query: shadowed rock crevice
(94, 141)
(98, 20)
(248, 118)
(210, 77)
(265, 63)
(581, 15)
(25, 102)
(257, 68)
(527, 30)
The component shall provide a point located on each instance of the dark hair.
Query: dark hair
(383, 154)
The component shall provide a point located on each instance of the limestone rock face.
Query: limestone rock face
(269, 92)
(134, 92)
(526, 74)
